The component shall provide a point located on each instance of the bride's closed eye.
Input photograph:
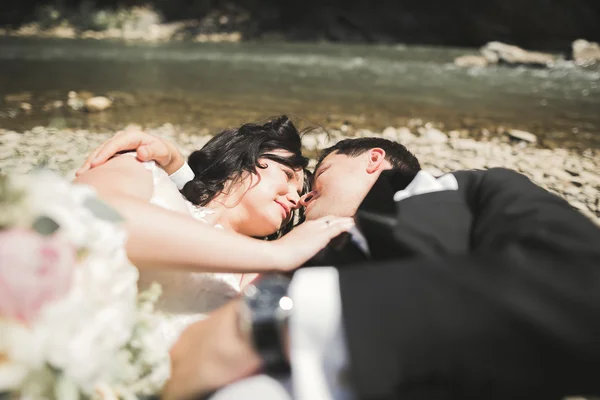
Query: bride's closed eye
(289, 174)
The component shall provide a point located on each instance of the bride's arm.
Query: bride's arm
(159, 237)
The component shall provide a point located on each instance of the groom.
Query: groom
(476, 284)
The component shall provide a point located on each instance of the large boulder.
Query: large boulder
(497, 52)
(585, 52)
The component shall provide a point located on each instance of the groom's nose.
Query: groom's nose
(308, 197)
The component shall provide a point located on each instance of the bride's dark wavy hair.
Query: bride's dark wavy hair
(233, 153)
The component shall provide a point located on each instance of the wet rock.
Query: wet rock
(25, 107)
(522, 135)
(97, 104)
(497, 52)
(471, 61)
(75, 103)
(585, 52)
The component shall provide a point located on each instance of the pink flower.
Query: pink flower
(34, 270)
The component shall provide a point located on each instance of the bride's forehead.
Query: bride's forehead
(280, 152)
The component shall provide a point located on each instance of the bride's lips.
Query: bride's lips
(286, 210)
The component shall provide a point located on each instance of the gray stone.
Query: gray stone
(433, 135)
(390, 133)
(75, 103)
(97, 104)
(522, 135)
(501, 52)
(585, 52)
(404, 135)
(38, 130)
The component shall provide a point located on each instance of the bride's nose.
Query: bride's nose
(294, 199)
(308, 197)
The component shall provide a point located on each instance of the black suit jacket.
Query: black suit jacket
(490, 291)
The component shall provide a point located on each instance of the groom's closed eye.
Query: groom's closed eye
(319, 172)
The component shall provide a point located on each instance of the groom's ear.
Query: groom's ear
(376, 160)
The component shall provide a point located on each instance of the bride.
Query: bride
(244, 184)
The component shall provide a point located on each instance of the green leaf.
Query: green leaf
(45, 226)
(102, 210)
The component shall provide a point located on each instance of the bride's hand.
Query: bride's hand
(147, 147)
(307, 239)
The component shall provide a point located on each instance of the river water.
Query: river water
(212, 86)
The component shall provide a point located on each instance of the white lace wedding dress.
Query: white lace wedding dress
(187, 296)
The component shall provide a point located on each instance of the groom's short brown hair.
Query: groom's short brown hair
(395, 153)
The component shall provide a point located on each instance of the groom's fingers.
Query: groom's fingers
(123, 140)
(155, 150)
(88, 162)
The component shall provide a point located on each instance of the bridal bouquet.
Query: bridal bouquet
(72, 323)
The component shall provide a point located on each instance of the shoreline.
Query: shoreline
(573, 175)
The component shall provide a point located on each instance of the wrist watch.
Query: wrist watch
(264, 312)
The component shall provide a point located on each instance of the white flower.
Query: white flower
(87, 335)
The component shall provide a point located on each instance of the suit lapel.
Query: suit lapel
(376, 217)
(428, 225)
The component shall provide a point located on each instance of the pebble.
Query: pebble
(97, 104)
(433, 135)
(522, 135)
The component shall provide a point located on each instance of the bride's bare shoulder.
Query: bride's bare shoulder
(120, 175)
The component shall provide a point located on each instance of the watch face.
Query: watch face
(269, 308)
(268, 296)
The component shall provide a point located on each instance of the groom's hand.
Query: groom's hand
(211, 354)
(147, 147)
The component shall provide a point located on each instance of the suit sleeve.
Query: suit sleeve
(517, 316)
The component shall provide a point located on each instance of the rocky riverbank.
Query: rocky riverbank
(135, 24)
(572, 175)
(539, 24)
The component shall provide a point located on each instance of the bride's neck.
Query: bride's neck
(221, 215)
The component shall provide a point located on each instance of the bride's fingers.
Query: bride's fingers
(338, 227)
(333, 226)
(332, 222)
